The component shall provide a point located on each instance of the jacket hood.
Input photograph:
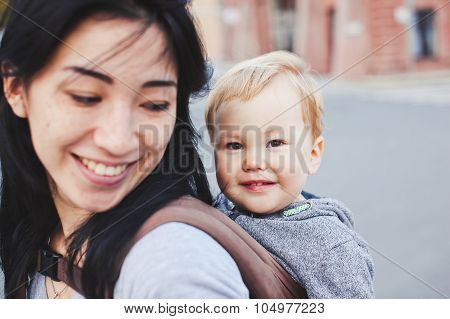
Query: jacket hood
(328, 207)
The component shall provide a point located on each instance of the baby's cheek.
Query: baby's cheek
(281, 162)
(291, 175)
(227, 163)
(221, 173)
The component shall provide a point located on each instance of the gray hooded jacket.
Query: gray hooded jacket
(315, 242)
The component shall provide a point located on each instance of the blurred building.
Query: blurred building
(386, 36)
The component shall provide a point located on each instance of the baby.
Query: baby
(264, 118)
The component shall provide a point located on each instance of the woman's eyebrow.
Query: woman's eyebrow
(159, 83)
(107, 79)
(95, 74)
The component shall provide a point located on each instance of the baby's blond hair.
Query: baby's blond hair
(247, 79)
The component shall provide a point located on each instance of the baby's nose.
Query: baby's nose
(254, 160)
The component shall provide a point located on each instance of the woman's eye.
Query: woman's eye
(234, 146)
(155, 106)
(86, 100)
(276, 143)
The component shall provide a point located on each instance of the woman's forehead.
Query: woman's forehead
(118, 47)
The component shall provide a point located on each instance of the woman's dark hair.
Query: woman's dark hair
(28, 215)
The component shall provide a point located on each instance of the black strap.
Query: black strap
(56, 267)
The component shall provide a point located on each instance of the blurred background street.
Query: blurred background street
(385, 67)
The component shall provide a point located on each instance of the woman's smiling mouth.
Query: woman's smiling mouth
(102, 169)
(102, 174)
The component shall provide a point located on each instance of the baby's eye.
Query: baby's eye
(87, 100)
(234, 146)
(275, 143)
(155, 106)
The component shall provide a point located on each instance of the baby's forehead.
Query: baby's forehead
(239, 127)
(262, 111)
(230, 130)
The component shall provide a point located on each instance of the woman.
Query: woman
(95, 137)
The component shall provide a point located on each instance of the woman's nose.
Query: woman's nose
(254, 160)
(116, 132)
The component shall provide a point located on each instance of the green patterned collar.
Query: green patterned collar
(296, 207)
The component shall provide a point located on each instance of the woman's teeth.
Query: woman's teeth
(102, 169)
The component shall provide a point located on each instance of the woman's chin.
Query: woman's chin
(98, 205)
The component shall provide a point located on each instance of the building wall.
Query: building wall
(361, 37)
(387, 42)
(208, 15)
(368, 37)
(312, 40)
(235, 29)
(250, 35)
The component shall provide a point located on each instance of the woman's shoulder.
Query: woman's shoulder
(190, 203)
(176, 260)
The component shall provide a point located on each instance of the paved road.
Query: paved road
(387, 157)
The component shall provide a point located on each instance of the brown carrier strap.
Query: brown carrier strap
(263, 276)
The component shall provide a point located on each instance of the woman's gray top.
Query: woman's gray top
(173, 261)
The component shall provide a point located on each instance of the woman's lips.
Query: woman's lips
(102, 180)
(257, 186)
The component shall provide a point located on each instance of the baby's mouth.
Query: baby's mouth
(257, 185)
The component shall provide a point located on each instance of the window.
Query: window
(423, 46)
(284, 24)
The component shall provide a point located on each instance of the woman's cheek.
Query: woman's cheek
(156, 133)
(152, 146)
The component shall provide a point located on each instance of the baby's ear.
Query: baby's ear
(316, 155)
(14, 90)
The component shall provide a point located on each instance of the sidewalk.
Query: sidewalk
(431, 88)
(403, 80)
